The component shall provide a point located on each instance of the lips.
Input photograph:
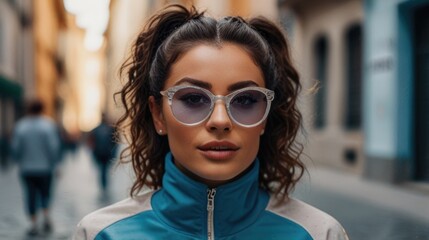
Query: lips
(218, 150)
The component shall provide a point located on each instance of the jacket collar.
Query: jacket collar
(182, 202)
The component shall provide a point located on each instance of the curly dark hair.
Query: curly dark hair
(172, 32)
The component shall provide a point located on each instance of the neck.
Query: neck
(210, 183)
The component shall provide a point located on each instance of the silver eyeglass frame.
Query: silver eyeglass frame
(269, 94)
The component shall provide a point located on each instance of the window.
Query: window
(353, 111)
(321, 71)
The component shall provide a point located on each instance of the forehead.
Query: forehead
(220, 66)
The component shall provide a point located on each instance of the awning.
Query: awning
(10, 89)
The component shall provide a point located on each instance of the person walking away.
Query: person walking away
(103, 146)
(35, 147)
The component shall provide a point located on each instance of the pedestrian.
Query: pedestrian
(69, 142)
(36, 147)
(102, 143)
(211, 110)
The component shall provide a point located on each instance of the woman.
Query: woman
(211, 110)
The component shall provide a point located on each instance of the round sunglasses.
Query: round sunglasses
(192, 105)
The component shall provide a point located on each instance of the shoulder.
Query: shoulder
(22, 126)
(317, 223)
(47, 121)
(43, 123)
(19, 125)
(95, 222)
(23, 122)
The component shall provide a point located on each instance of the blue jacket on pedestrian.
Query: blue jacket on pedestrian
(36, 145)
(186, 209)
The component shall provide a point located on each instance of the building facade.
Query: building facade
(326, 38)
(29, 61)
(14, 66)
(369, 62)
(49, 24)
(396, 77)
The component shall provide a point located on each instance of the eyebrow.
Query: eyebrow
(195, 82)
(242, 84)
(202, 84)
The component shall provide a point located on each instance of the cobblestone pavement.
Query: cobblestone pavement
(366, 210)
(75, 193)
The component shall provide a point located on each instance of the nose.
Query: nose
(219, 119)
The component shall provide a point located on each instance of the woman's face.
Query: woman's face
(216, 150)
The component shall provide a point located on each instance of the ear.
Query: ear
(157, 116)
(263, 127)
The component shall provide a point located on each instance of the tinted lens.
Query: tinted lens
(248, 107)
(190, 105)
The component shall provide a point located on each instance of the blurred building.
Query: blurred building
(13, 26)
(85, 64)
(49, 26)
(30, 65)
(371, 61)
(327, 44)
(396, 74)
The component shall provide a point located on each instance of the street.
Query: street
(75, 194)
(364, 218)
(367, 210)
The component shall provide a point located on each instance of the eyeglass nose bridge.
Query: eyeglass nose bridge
(224, 99)
(216, 98)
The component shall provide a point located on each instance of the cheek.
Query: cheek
(251, 139)
(180, 137)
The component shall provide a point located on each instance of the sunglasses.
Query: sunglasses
(192, 105)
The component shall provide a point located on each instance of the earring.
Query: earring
(262, 132)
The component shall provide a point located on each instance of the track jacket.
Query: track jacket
(186, 209)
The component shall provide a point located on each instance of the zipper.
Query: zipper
(210, 207)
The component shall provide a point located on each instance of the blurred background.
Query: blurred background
(366, 128)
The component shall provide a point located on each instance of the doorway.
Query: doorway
(421, 104)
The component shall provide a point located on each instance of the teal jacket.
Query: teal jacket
(186, 209)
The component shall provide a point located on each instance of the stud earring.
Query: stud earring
(160, 131)
(262, 132)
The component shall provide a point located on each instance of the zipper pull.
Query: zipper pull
(210, 199)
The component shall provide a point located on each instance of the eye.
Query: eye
(244, 99)
(194, 99)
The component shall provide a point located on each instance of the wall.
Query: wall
(389, 96)
(331, 19)
(48, 21)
